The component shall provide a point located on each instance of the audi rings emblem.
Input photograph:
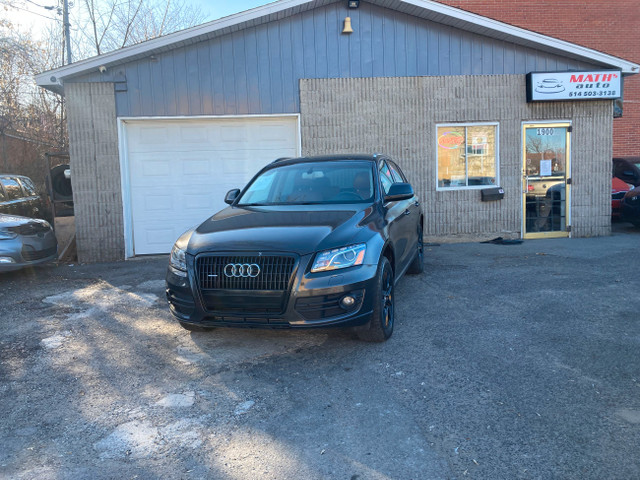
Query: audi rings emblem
(241, 270)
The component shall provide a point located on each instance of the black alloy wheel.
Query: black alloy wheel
(380, 327)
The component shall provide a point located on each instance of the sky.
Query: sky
(31, 14)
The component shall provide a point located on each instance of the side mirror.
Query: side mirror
(399, 191)
(231, 196)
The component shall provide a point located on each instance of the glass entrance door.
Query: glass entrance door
(546, 180)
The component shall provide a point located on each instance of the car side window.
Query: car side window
(29, 187)
(398, 176)
(12, 187)
(386, 177)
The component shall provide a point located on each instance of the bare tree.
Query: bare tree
(31, 119)
(162, 17)
(107, 25)
(33, 116)
(534, 145)
(17, 65)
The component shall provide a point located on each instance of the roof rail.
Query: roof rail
(281, 159)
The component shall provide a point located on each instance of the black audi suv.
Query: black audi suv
(309, 242)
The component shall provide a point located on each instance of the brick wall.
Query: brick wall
(398, 116)
(610, 27)
(95, 171)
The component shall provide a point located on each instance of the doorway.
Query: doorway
(546, 180)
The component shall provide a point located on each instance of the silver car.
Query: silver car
(25, 242)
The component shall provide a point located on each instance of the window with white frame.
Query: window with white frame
(467, 155)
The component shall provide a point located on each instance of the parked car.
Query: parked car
(309, 242)
(627, 169)
(18, 196)
(538, 186)
(25, 242)
(626, 176)
(630, 207)
(618, 190)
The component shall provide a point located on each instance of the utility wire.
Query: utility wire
(50, 7)
(39, 14)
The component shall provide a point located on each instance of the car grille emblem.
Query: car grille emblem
(241, 270)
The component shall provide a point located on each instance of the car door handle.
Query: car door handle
(407, 212)
(416, 203)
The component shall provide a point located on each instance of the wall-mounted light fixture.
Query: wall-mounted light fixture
(347, 26)
(353, 3)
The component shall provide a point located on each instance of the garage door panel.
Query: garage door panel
(151, 136)
(197, 167)
(275, 134)
(202, 204)
(156, 168)
(157, 203)
(157, 238)
(192, 134)
(180, 170)
(233, 135)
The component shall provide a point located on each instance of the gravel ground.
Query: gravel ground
(508, 361)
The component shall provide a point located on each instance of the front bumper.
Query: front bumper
(26, 251)
(630, 210)
(313, 300)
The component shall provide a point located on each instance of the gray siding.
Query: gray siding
(398, 116)
(257, 70)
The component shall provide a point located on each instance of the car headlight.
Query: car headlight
(339, 258)
(7, 234)
(178, 258)
(45, 223)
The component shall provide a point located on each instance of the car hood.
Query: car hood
(618, 185)
(15, 220)
(297, 229)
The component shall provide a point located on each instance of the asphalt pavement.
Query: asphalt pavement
(507, 362)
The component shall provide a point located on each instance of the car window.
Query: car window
(28, 186)
(312, 183)
(386, 177)
(11, 187)
(398, 176)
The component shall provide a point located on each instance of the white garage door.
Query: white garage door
(180, 170)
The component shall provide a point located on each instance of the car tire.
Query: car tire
(417, 264)
(380, 326)
(195, 328)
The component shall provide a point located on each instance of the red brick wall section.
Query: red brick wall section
(610, 27)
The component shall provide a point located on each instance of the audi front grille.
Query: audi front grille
(242, 284)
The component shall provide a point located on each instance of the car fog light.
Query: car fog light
(347, 302)
(6, 260)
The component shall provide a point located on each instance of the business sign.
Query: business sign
(451, 140)
(592, 85)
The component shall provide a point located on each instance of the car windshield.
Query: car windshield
(307, 183)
